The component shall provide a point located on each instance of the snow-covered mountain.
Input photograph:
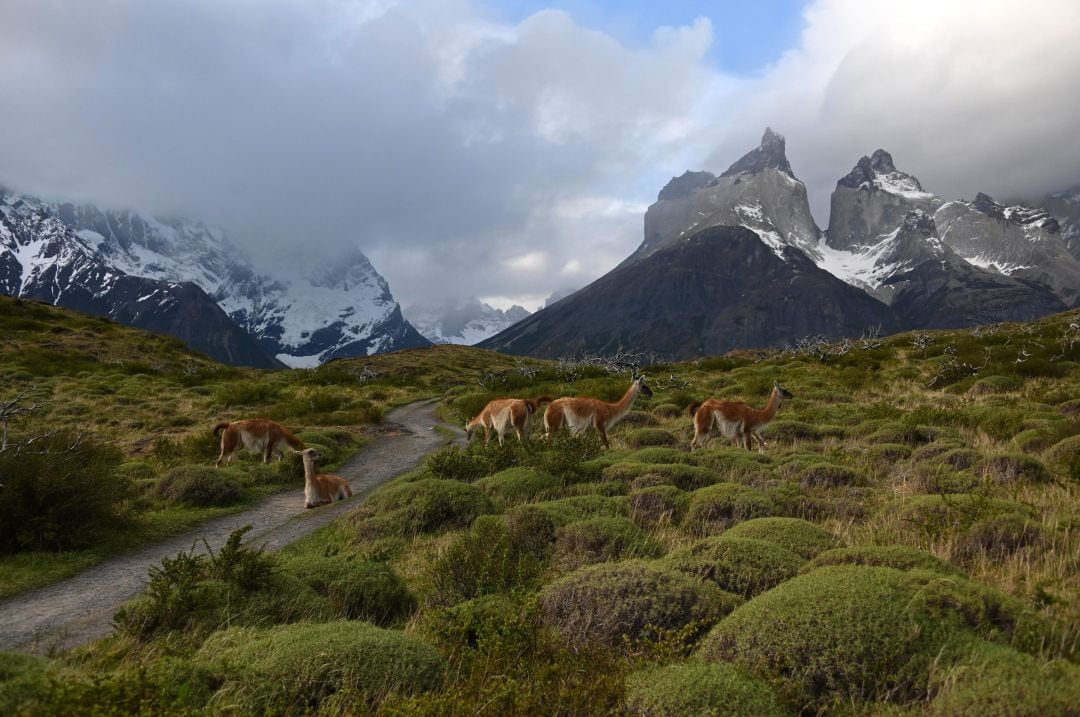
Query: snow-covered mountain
(467, 322)
(325, 307)
(1065, 208)
(42, 258)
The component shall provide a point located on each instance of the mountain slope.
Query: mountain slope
(465, 322)
(719, 289)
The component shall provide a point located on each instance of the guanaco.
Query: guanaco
(734, 419)
(502, 414)
(259, 435)
(581, 413)
(322, 488)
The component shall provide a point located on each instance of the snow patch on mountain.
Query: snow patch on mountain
(465, 322)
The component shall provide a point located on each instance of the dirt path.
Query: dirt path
(80, 609)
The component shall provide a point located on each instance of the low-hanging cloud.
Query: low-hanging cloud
(471, 157)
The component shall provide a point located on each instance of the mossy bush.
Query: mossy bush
(295, 668)
(682, 475)
(654, 505)
(935, 515)
(696, 687)
(199, 485)
(994, 680)
(995, 384)
(24, 682)
(642, 437)
(245, 393)
(63, 494)
(604, 539)
(615, 604)
(532, 529)
(889, 452)
(640, 419)
(830, 475)
(743, 566)
(849, 634)
(355, 589)
(1064, 458)
(580, 507)
(900, 557)
(799, 536)
(960, 458)
(997, 536)
(1035, 440)
(519, 485)
(660, 454)
(789, 431)
(901, 433)
(408, 508)
(667, 410)
(717, 507)
(934, 477)
(1009, 468)
(488, 558)
(605, 488)
(477, 622)
(137, 471)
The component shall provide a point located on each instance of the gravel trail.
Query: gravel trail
(80, 609)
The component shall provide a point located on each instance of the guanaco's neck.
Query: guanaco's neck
(309, 469)
(766, 414)
(622, 407)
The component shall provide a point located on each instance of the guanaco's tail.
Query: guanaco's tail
(536, 403)
(292, 440)
(693, 409)
(220, 427)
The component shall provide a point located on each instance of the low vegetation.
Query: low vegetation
(911, 525)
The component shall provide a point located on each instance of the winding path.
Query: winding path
(80, 609)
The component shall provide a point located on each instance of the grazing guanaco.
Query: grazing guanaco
(581, 413)
(734, 419)
(502, 414)
(322, 488)
(259, 435)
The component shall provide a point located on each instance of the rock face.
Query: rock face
(758, 192)
(1065, 208)
(465, 322)
(324, 307)
(1017, 241)
(873, 199)
(42, 258)
(719, 289)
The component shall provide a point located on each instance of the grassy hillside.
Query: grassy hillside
(907, 544)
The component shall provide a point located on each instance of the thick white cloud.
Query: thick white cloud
(452, 147)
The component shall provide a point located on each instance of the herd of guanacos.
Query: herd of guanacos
(734, 420)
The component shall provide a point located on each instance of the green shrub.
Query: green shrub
(901, 557)
(654, 505)
(849, 634)
(486, 559)
(686, 477)
(518, 485)
(605, 488)
(667, 410)
(569, 510)
(203, 486)
(961, 458)
(1035, 440)
(799, 536)
(563, 455)
(789, 431)
(475, 622)
(717, 507)
(640, 418)
(827, 475)
(994, 384)
(356, 589)
(994, 680)
(635, 600)
(889, 452)
(599, 540)
(407, 508)
(1015, 468)
(24, 683)
(997, 536)
(135, 471)
(61, 494)
(294, 668)
(458, 463)
(935, 477)
(935, 515)
(659, 454)
(743, 566)
(643, 437)
(245, 393)
(696, 687)
(1064, 458)
(901, 433)
(531, 529)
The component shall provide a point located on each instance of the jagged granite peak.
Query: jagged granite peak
(872, 200)
(721, 288)
(770, 154)
(466, 321)
(768, 200)
(684, 185)
(1064, 207)
(1018, 241)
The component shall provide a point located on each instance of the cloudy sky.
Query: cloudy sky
(508, 149)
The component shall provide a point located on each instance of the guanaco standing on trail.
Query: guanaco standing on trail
(581, 413)
(259, 435)
(322, 488)
(735, 419)
(502, 414)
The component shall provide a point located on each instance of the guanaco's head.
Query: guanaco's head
(310, 453)
(784, 393)
(642, 387)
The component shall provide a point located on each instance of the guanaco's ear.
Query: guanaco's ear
(299, 453)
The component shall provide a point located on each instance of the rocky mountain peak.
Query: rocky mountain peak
(919, 222)
(882, 161)
(985, 203)
(770, 154)
(879, 172)
(685, 185)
